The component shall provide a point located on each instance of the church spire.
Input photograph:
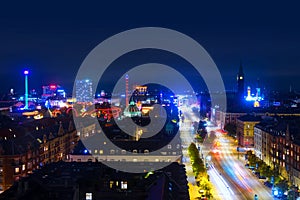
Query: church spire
(71, 126)
(241, 69)
(240, 84)
(61, 129)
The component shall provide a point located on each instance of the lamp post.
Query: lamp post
(26, 72)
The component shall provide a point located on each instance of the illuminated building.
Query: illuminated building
(245, 129)
(84, 91)
(240, 83)
(132, 110)
(141, 90)
(53, 90)
(255, 98)
(54, 96)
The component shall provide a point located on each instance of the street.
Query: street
(230, 178)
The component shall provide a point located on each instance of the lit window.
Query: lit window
(96, 151)
(123, 185)
(88, 196)
(100, 151)
(111, 183)
(123, 151)
(134, 151)
(23, 167)
(17, 170)
(169, 146)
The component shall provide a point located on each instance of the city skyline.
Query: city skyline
(53, 46)
(149, 101)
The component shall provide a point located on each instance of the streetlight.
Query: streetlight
(26, 72)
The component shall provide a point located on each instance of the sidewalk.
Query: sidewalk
(185, 134)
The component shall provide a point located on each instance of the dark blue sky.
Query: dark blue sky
(53, 39)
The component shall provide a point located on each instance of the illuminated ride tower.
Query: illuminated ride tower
(127, 91)
(26, 72)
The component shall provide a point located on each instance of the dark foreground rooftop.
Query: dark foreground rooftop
(82, 180)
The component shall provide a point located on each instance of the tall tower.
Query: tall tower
(127, 91)
(26, 72)
(240, 83)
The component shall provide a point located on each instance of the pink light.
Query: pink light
(52, 86)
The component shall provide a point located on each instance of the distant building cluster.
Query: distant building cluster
(40, 148)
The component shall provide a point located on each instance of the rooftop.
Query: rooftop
(250, 118)
(70, 180)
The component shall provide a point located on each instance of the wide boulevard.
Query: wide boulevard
(226, 167)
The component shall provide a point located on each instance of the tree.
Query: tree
(199, 138)
(197, 162)
(284, 173)
(193, 151)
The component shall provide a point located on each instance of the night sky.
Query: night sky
(52, 40)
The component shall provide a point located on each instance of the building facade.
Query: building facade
(84, 91)
(245, 129)
(33, 146)
(278, 145)
(221, 118)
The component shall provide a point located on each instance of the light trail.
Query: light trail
(219, 179)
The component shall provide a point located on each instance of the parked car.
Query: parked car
(262, 177)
